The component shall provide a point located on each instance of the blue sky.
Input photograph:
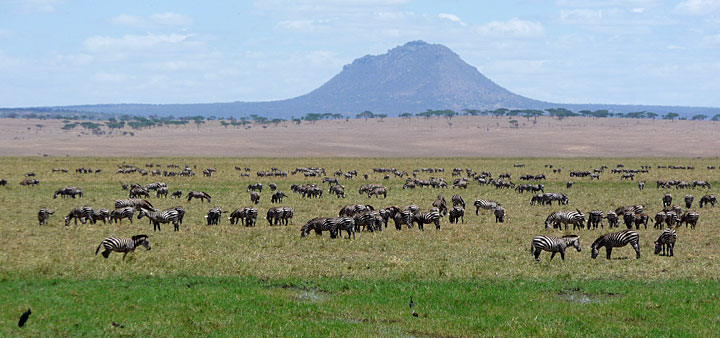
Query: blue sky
(63, 52)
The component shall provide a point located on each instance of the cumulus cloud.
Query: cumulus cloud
(133, 42)
(514, 27)
(155, 20)
(452, 17)
(698, 6)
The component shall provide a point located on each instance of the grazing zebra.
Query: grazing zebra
(247, 216)
(576, 218)
(455, 214)
(689, 217)
(615, 240)
(569, 184)
(377, 192)
(353, 209)
(118, 214)
(318, 225)
(101, 215)
(71, 192)
(272, 186)
(403, 217)
(458, 200)
(213, 216)
(671, 218)
(123, 245)
(30, 182)
(636, 209)
(343, 223)
(135, 203)
(499, 213)
(254, 187)
(701, 184)
(277, 197)
(139, 191)
(689, 201)
(485, 204)
(554, 245)
(441, 204)
(629, 219)
(594, 219)
(44, 216)
(371, 220)
(641, 185)
(254, 197)
(666, 241)
(613, 221)
(708, 199)
(659, 220)
(667, 200)
(641, 219)
(198, 194)
(427, 218)
(338, 190)
(274, 215)
(157, 217)
(176, 194)
(162, 191)
(82, 213)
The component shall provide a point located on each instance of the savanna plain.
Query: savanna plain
(475, 278)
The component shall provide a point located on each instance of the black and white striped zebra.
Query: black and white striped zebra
(554, 245)
(162, 191)
(135, 203)
(346, 224)
(666, 242)
(613, 220)
(83, 213)
(427, 218)
(213, 216)
(499, 213)
(689, 218)
(458, 200)
(708, 199)
(123, 245)
(352, 209)
(615, 240)
(594, 219)
(318, 225)
(118, 214)
(689, 201)
(181, 213)
(198, 194)
(371, 220)
(576, 218)
(44, 216)
(403, 217)
(101, 215)
(667, 200)
(485, 204)
(455, 214)
(158, 217)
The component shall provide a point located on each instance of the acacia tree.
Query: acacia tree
(365, 115)
(716, 117)
(670, 116)
(699, 117)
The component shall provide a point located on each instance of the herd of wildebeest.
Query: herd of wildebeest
(355, 218)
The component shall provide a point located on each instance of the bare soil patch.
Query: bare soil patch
(392, 137)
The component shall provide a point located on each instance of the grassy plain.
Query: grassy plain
(476, 278)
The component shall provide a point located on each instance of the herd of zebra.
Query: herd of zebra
(356, 218)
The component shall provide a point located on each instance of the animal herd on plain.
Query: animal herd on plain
(355, 218)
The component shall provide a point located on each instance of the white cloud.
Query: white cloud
(155, 20)
(513, 27)
(698, 6)
(302, 24)
(452, 17)
(133, 42)
(638, 10)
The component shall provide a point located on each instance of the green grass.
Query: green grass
(476, 278)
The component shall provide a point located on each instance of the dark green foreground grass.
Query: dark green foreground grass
(192, 306)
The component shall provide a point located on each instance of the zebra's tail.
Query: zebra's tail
(98, 248)
(532, 249)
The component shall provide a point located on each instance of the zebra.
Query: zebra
(441, 204)
(198, 194)
(101, 215)
(377, 192)
(554, 245)
(272, 186)
(287, 215)
(569, 184)
(274, 215)
(641, 219)
(247, 216)
(371, 220)
(254, 197)
(352, 209)
(427, 218)
(318, 225)
(338, 190)
(613, 221)
(44, 216)
(135, 203)
(343, 223)
(701, 184)
(118, 214)
(71, 192)
(576, 218)
(708, 199)
(403, 217)
(157, 217)
(594, 219)
(641, 185)
(636, 209)
(162, 191)
(667, 200)
(689, 201)
(614, 240)
(82, 213)
(671, 218)
(499, 213)
(181, 213)
(659, 220)
(123, 245)
(458, 200)
(629, 219)
(277, 197)
(689, 217)
(456, 213)
(485, 204)
(666, 242)
(138, 191)
(176, 194)
(213, 216)
(254, 187)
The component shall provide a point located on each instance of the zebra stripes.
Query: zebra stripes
(44, 216)
(123, 245)
(485, 204)
(135, 203)
(427, 218)
(118, 214)
(157, 217)
(247, 216)
(84, 214)
(554, 245)
(371, 220)
(615, 240)
(458, 200)
(576, 218)
(198, 194)
(666, 242)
